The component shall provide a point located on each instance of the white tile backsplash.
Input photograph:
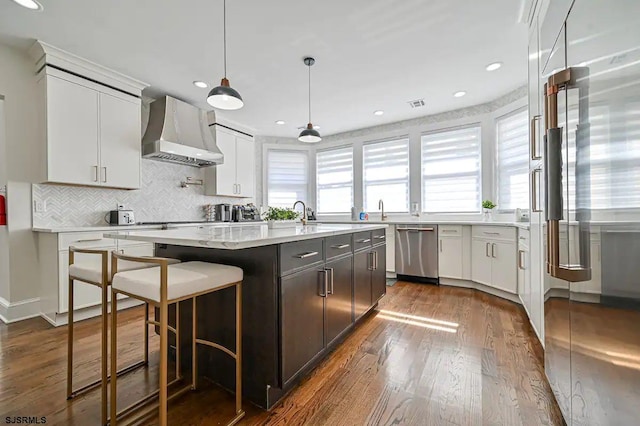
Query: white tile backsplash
(160, 198)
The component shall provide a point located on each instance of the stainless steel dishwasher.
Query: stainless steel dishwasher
(417, 253)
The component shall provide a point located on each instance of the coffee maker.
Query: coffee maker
(223, 212)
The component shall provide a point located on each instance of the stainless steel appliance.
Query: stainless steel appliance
(417, 253)
(121, 217)
(223, 212)
(590, 180)
(179, 133)
(248, 213)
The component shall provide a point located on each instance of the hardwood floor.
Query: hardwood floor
(430, 356)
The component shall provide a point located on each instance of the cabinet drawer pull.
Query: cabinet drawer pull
(366, 240)
(306, 255)
(448, 231)
(416, 229)
(340, 246)
(88, 240)
(379, 237)
(490, 233)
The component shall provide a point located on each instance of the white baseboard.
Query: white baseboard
(483, 288)
(58, 320)
(18, 311)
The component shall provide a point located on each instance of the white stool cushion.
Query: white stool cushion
(90, 270)
(183, 280)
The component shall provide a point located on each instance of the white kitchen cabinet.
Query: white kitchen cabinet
(92, 132)
(71, 132)
(450, 251)
(236, 176)
(524, 273)
(493, 257)
(53, 251)
(119, 141)
(390, 235)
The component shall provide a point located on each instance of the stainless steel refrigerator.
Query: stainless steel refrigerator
(588, 187)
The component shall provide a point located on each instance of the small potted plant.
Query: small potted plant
(277, 217)
(488, 206)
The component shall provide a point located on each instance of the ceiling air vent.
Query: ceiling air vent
(417, 103)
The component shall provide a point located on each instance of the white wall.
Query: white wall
(23, 165)
(4, 234)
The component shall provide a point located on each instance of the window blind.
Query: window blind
(386, 175)
(287, 177)
(334, 180)
(512, 138)
(451, 171)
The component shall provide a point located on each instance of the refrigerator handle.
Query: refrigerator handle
(570, 78)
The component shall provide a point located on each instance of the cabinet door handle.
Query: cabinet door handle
(239, 188)
(329, 272)
(104, 179)
(493, 250)
(441, 246)
(535, 177)
(325, 277)
(370, 261)
(521, 259)
(95, 173)
(340, 246)
(486, 250)
(532, 135)
(375, 260)
(305, 255)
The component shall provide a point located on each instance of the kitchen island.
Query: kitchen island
(304, 289)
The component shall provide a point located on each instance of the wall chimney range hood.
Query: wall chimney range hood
(179, 133)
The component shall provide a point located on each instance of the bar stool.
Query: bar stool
(162, 287)
(99, 274)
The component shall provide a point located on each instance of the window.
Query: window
(334, 177)
(512, 134)
(386, 175)
(287, 177)
(451, 171)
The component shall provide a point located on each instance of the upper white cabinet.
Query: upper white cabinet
(93, 133)
(90, 118)
(237, 175)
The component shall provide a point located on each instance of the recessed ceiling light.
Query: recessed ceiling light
(460, 94)
(494, 66)
(378, 112)
(29, 4)
(280, 122)
(200, 84)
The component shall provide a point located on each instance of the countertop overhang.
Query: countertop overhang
(239, 237)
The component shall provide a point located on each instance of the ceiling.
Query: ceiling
(370, 54)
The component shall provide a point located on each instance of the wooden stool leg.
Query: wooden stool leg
(194, 348)
(105, 353)
(164, 347)
(238, 348)
(114, 356)
(70, 342)
(146, 333)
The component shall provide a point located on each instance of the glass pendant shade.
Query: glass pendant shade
(309, 135)
(225, 97)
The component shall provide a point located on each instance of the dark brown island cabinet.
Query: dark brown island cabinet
(300, 299)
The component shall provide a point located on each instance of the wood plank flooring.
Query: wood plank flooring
(430, 356)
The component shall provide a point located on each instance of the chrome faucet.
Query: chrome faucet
(381, 207)
(304, 211)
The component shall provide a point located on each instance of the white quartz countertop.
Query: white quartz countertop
(523, 225)
(239, 237)
(62, 229)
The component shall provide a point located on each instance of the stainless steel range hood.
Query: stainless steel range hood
(179, 133)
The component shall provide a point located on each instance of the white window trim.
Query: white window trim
(288, 147)
(468, 125)
(494, 162)
(369, 141)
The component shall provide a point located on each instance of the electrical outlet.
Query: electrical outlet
(39, 206)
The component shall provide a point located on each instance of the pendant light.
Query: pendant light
(224, 96)
(309, 135)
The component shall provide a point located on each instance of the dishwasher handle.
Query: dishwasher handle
(415, 229)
